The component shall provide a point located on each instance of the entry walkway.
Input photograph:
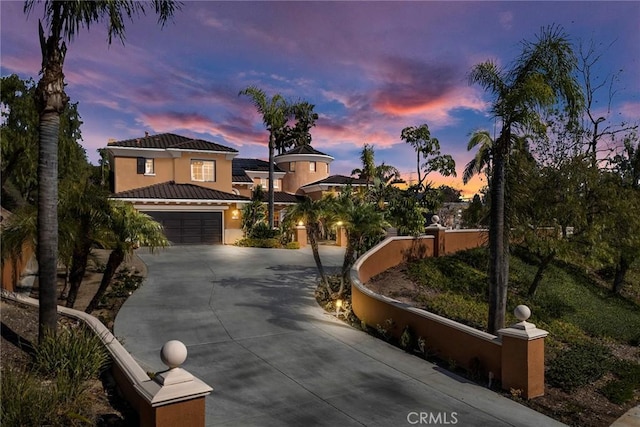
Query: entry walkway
(274, 358)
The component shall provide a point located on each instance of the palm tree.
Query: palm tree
(368, 170)
(275, 114)
(85, 211)
(300, 133)
(311, 212)
(482, 159)
(364, 224)
(253, 213)
(64, 19)
(129, 229)
(541, 77)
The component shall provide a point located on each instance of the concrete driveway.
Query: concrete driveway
(274, 358)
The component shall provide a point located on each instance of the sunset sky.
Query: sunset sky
(371, 69)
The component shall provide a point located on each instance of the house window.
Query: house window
(149, 168)
(292, 166)
(203, 170)
(264, 183)
(327, 167)
(312, 166)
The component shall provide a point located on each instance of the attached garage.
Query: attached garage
(190, 228)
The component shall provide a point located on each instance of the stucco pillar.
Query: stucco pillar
(523, 355)
(180, 398)
(300, 235)
(437, 231)
(341, 236)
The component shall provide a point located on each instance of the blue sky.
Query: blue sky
(371, 69)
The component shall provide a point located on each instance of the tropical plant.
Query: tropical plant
(300, 133)
(405, 213)
(84, 221)
(64, 19)
(365, 226)
(311, 213)
(482, 160)
(368, 169)
(254, 212)
(542, 76)
(129, 229)
(275, 113)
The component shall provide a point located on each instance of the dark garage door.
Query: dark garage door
(191, 228)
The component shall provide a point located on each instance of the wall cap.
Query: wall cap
(152, 392)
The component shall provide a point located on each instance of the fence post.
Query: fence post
(180, 399)
(437, 231)
(523, 356)
(301, 235)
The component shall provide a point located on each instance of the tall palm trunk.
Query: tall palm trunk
(116, 257)
(313, 241)
(48, 222)
(51, 101)
(270, 206)
(347, 263)
(498, 245)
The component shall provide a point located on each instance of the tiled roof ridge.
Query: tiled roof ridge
(304, 149)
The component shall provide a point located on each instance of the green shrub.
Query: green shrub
(580, 365)
(293, 245)
(621, 390)
(258, 243)
(460, 308)
(618, 391)
(74, 351)
(261, 230)
(25, 401)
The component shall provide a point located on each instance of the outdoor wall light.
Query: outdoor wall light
(235, 214)
(338, 307)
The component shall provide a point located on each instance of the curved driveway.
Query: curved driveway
(274, 358)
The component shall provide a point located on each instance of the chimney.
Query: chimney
(146, 134)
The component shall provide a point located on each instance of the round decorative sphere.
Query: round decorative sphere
(435, 219)
(173, 353)
(522, 312)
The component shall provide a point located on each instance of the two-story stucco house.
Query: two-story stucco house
(196, 189)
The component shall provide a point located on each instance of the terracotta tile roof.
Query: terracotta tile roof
(304, 149)
(339, 180)
(165, 141)
(282, 197)
(170, 190)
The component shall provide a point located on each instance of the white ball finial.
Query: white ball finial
(173, 353)
(435, 219)
(522, 312)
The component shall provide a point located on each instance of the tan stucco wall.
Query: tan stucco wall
(169, 169)
(302, 176)
(127, 178)
(457, 240)
(222, 182)
(516, 360)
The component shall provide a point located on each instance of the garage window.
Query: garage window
(203, 170)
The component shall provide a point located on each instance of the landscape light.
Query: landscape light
(338, 307)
